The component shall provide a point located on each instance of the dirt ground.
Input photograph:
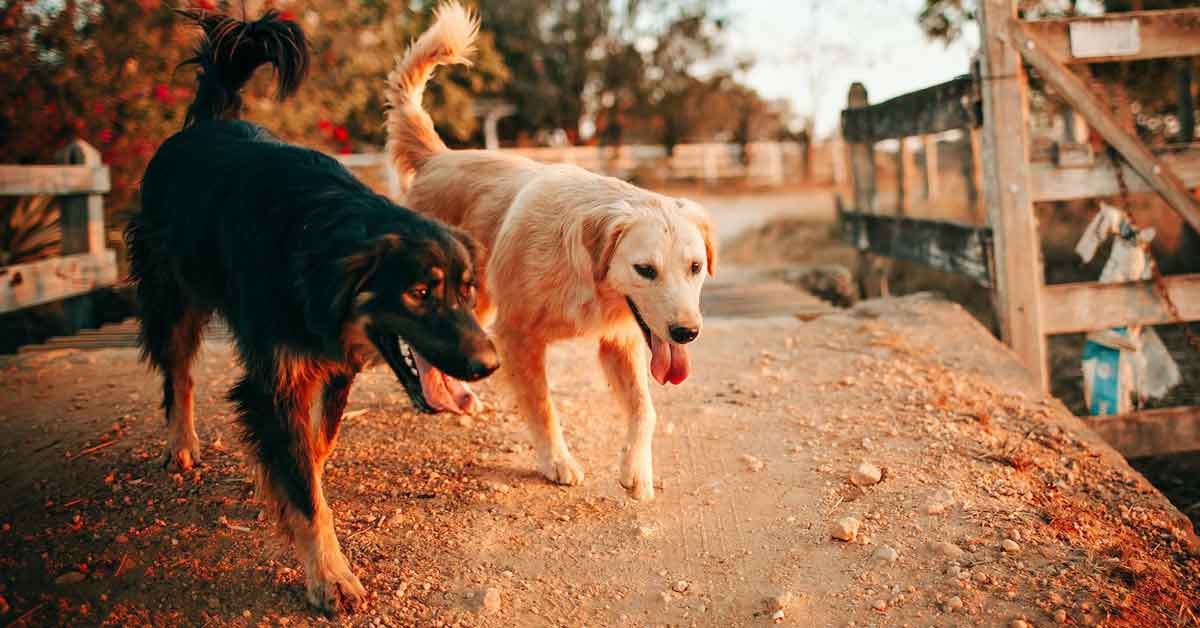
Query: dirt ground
(443, 516)
(754, 454)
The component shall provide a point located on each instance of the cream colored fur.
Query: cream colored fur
(561, 247)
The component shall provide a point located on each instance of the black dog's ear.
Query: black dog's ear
(333, 277)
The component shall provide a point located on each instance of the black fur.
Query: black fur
(290, 250)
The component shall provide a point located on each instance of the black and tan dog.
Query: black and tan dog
(315, 275)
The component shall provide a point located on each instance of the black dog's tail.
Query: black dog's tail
(230, 53)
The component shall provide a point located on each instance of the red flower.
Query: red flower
(98, 108)
(286, 15)
(324, 124)
(344, 150)
(162, 94)
(106, 135)
(341, 134)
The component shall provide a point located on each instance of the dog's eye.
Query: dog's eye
(695, 268)
(646, 270)
(419, 293)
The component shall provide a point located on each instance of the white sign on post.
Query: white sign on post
(1107, 38)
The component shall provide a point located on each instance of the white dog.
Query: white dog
(568, 253)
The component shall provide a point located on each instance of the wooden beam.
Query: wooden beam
(56, 278)
(933, 179)
(1130, 36)
(943, 245)
(950, 105)
(906, 175)
(1051, 183)
(862, 155)
(1018, 250)
(53, 180)
(1150, 432)
(1081, 307)
(1072, 89)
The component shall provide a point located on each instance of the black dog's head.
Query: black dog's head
(412, 289)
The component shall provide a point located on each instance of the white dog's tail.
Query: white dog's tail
(412, 138)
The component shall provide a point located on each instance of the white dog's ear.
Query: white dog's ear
(602, 239)
(699, 216)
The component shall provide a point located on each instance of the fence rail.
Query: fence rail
(86, 263)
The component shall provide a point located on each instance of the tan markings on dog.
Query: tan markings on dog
(562, 244)
(183, 446)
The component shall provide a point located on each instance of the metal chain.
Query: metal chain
(1160, 282)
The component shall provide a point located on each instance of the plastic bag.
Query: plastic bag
(1127, 362)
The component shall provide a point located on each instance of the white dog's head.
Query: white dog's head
(657, 258)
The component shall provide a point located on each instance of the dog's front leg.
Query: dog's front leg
(624, 360)
(524, 363)
(289, 453)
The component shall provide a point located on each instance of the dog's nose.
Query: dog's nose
(684, 335)
(483, 366)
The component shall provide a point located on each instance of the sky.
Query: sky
(829, 44)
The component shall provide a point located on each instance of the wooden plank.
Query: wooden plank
(906, 173)
(1051, 183)
(950, 105)
(54, 180)
(25, 285)
(932, 179)
(1150, 432)
(1173, 33)
(943, 245)
(1018, 250)
(1080, 307)
(1072, 89)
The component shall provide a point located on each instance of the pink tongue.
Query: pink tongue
(668, 362)
(444, 393)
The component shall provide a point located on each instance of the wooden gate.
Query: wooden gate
(1010, 247)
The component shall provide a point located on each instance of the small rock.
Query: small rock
(1010, 546)
(122, 539)
(491, 601)
(465, 421)
(866, 474)
(680, 586)
(1060, 616)
(954, 603)
(665, 596)
(880, 605)
(1019, 623)
(845, 529)
(781, 602)
(886, 554)
(71, 577)
(939, 502)
(669, 429)
(948, 550)
(778, 616)
(752, 463)
(506, 573)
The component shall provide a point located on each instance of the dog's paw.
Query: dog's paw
(562, 469)
(637, 476)
(181, 456)
(334, 592)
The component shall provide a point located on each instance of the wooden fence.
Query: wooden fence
(764, 163)
(85, 263)
(991, 108)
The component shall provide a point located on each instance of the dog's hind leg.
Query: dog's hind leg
(624, 362)
(170, 333)
(276, 414)
(525, 366)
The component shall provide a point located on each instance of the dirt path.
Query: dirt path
(754, 454)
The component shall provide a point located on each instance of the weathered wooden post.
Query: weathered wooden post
(81, 217)
(1018, 250)
(906, 170)
(933, 182)
(873, 270)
